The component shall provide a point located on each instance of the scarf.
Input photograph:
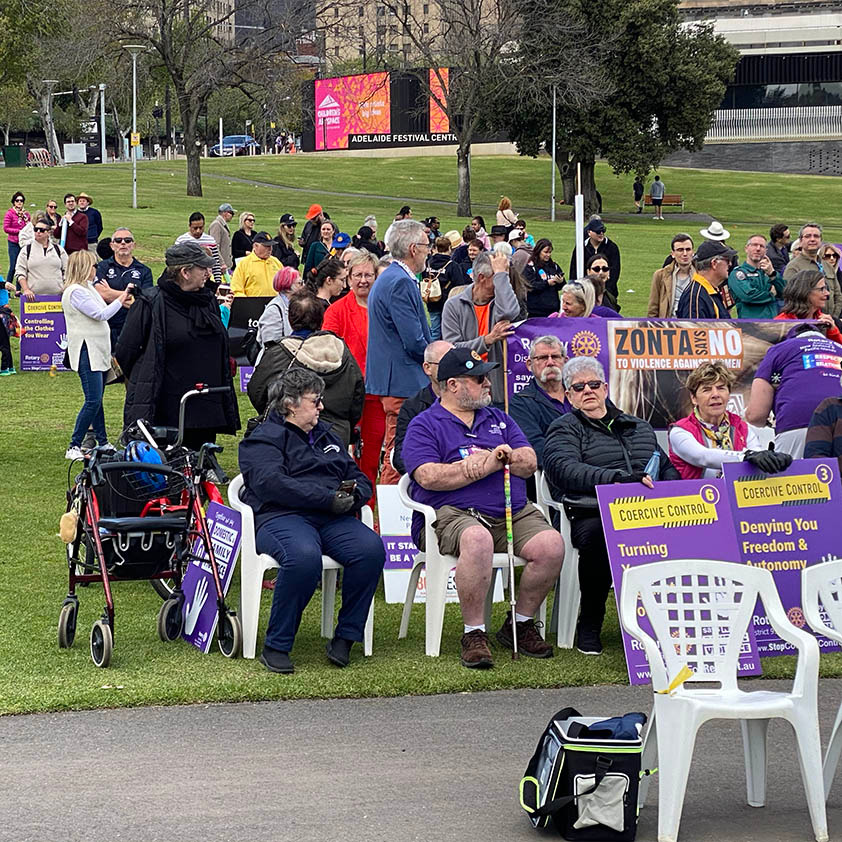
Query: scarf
(720, 437)
(199, 306)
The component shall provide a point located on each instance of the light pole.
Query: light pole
(135, 50)
(102, 122)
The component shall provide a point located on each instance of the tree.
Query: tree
(667, 79)
(195, 42)
(470, 53)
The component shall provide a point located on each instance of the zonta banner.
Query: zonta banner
(646, 361)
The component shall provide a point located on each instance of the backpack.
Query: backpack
(584, 775)
(431, 285)
(29, 250)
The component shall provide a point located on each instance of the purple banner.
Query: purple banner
(246, 372)
(676, 520)
(200, 608)
(646, 361)
(400, 552)
(45, 337)
(784, 523)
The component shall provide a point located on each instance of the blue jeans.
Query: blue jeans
(91, 413)
(297, 543)
(14, 251)
(435, 325)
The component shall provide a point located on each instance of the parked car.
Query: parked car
(242, 144)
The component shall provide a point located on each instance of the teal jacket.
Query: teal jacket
(751, 290)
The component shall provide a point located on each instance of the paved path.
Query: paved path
(413, 768)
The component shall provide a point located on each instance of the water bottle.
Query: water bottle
(53, 370)
(653, 465)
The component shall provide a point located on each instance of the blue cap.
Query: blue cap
(341, 240)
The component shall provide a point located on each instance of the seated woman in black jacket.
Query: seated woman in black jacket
(545, 279)
(595, 444)
(305, 490)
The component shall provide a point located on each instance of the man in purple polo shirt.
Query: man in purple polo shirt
(454, 452)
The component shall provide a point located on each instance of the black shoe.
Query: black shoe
(588, 641)
(276, 661)
(339, 651)
(529, 640)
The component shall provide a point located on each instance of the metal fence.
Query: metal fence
(810, 122)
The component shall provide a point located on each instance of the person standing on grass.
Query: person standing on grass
(94, 220)
(638, 190)
(16, 219)
(398, 332)
(669, 283)
(196, 234)
(778, 248)
(243, 238)
(88, 344)
(221, 233)
(703, 297)
(756, 286)
(76, 235)
(656, 191)
(810, 240)
(7, 363)
(41, 265)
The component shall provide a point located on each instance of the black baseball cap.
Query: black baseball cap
(262, 239)
(499, 230)
(183, 253)
(596, 225)
(714, 248)
(462, 362)
(287, 219)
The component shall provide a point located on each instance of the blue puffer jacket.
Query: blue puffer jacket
(285, 474)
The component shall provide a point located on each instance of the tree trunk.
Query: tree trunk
(6, 130)
(463, 164)
(588, 188)
(567, 167)
(192, 149)
(49, 127)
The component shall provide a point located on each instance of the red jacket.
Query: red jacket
(832, 333)
(739, 434)
(349, 321)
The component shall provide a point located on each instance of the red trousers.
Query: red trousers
(372, 430)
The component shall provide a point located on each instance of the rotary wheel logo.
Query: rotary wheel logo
(796, 617)
(585, 344)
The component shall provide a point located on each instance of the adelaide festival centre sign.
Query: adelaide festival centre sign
(646, 361)
(783, 523)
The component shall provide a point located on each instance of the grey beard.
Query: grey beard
(470, 404)
(550, 369)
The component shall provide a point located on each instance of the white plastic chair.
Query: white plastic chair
(253, 565)
(699, 611)
(567, 592)
(438, 570)
(822, 583)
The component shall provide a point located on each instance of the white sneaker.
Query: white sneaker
(74, 453)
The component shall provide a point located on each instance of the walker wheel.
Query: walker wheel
(170, 620)
(102, 644)
(67, 624)
(230, 636)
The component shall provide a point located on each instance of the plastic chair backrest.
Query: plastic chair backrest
(699, 611)
(235, 488)
(821, 584)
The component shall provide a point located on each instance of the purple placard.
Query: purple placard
(246, 372)
(45, 336)
(400, 552)
(784, 523)
(675, 520)
(200, 609)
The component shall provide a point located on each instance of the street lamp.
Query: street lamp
(102, 158)
(135, 50)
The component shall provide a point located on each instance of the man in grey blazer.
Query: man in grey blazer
(398, 331)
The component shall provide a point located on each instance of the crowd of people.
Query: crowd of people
(382, 357)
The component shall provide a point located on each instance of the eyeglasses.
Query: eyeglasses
(593, 385)
(122, 239)
(249, 219)
(600, 269)
(40, 230)
(479, 379)
(425, 245)
(831, 255)
(19, 200)
(318, 399)
(544, 357)
(820, 289)
(51, 207)
(363, 276)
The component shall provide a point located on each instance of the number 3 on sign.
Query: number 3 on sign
(824, 473)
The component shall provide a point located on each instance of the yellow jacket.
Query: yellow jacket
(253, 276)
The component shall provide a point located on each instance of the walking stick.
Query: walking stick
(510, 549)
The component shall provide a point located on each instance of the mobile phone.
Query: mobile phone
(223, 290)
(349, 486)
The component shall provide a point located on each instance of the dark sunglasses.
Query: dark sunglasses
(831, 255)
(122, 239)
(591, 384)
(600, 269)
(40, 230)
(51, 207)
(477, 378)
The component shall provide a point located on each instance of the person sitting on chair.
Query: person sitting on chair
(454, 452)
(305, 490)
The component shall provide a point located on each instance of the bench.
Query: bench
(673, 200)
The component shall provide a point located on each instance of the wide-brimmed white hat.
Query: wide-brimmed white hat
(715, 231)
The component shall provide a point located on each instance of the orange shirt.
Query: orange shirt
(349, 321)
(482, 311)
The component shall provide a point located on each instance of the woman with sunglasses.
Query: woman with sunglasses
(241, 241)
(41, 265)
(51, 214)
(15, 220)
(598, 271)
(545, 278)
(831, 256)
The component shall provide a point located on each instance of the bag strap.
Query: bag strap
(601, 767)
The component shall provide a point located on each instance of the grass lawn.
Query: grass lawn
(38, 412)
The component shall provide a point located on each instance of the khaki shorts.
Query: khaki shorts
(451, 522)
